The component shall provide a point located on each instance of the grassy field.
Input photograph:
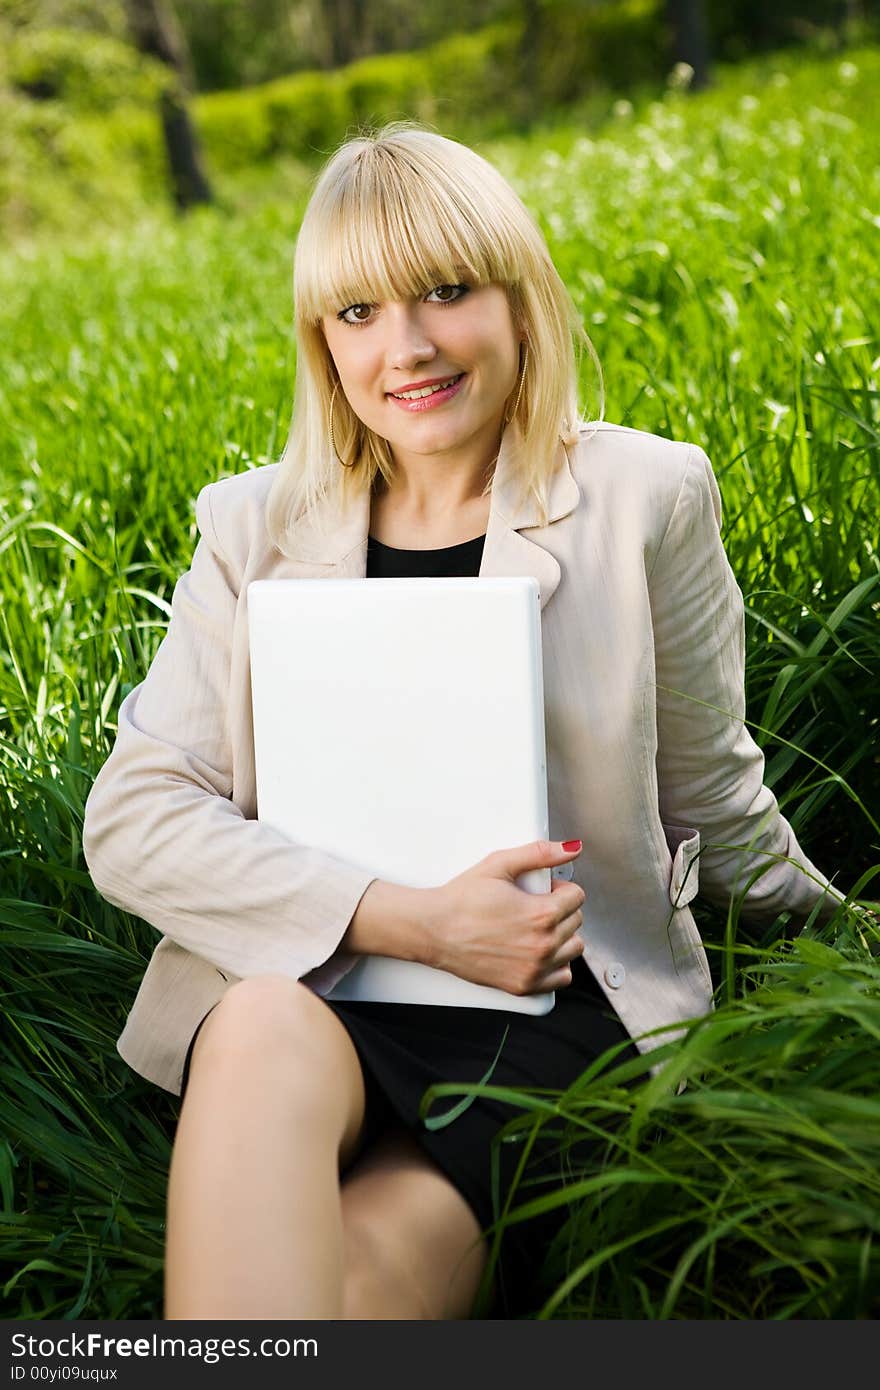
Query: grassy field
(723, 252)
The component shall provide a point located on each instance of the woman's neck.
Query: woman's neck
(398, 522)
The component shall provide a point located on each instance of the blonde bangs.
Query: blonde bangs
(389, 224)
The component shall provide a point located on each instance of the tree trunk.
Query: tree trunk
(345, 23)
(188, 181)
(157, 32)
(690, 38)
(530, 53)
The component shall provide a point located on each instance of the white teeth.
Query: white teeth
(423, 391)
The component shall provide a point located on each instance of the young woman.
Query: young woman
(435, 431)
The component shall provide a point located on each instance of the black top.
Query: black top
(385, 562)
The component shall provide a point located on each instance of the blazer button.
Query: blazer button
(615, 975)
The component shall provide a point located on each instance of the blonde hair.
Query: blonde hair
(391, 211)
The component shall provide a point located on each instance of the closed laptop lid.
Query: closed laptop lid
(399, 724)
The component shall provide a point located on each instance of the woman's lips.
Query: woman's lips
(429, 402)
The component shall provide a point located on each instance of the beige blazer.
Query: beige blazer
(648, 758)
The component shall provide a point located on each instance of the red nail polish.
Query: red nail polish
(571, 845)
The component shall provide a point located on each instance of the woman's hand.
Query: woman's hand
(486, 929)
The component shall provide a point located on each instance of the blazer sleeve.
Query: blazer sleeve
(161, 836)
(710, 771)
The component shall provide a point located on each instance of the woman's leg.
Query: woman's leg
(413, 1245)
(274, 1108)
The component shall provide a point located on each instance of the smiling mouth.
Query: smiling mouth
(423, 391)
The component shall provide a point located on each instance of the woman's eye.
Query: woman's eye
(355, 309)
(455, 290)
(362, 313)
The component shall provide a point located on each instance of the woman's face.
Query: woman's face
(459, 338)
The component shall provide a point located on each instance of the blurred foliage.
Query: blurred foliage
(58, 160)
(240, 43)
(739, 28)
(97, 16)
(88, 72)
(80, 137)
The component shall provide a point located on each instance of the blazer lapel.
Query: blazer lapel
(507, 551)
(336, 538)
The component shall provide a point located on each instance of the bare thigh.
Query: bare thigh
(410, 1238)
(413, 1246)
(275, 1029)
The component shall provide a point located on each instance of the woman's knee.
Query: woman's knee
(274, 1031)
(272, 1024)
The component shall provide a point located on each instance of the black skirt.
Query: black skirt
(405, 1048)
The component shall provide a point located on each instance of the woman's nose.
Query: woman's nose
(408, 342)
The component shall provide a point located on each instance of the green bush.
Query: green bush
(472, 78)
(234, 127)
(388, 87)
(105, 17)
(57, 172)
(132, 141)
(464, 81)
(305, 113)
(88, 72)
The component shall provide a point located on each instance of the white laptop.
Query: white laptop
(399, 724)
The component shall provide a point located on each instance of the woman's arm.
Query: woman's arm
(710, 770)
(163, 840)
(392, 920)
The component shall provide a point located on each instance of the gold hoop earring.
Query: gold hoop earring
(522, 377)
(332, 436)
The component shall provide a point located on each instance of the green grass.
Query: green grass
(723, 252)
